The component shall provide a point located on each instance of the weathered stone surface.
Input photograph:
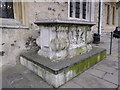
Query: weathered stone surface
(105, 68)
(71, 85)
(60, 21)
(13, 39)
(113, 58)
(95, 72)
(18, 83)
(11, 24)
(62, 64)
(109, 63)
(55, 80)
(34, 80)
(5, 84)
(18, 76)
(57, 76)
(116, 73)
(111, 78)
(88, 81)
(64, 38)
(37, 82)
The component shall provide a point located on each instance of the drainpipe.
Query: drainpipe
(100, 17)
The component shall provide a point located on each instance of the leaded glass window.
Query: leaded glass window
(71, 9)
(79, 10)
(84, 10)
(6, 9)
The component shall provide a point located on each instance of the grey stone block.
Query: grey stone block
(69, 75)
(58, 21)
(55, 80)
(35, 81)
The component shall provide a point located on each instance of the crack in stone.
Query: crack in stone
(16, 80)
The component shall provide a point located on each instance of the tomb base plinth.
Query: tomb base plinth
(57, 73)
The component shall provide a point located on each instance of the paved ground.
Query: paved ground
(102, 75)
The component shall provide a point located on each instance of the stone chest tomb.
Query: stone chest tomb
(66, 51)
(64, 38)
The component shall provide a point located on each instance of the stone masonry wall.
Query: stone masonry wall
(110, 26)
(105, 27)
(59, 10)
(12, 41)
(95, 27)
(46, 10)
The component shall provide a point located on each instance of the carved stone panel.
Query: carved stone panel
(58, 41)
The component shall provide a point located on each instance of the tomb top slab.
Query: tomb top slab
(60, 21)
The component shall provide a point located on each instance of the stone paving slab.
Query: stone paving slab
(105, 68)
(109, 63)
(5, 83)
(34, 81)
(116, 73)
(71, 84)
(18, 83)
(112, 58)
(89, 81)
(95, 72)
(12, 78)
(111, 78)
